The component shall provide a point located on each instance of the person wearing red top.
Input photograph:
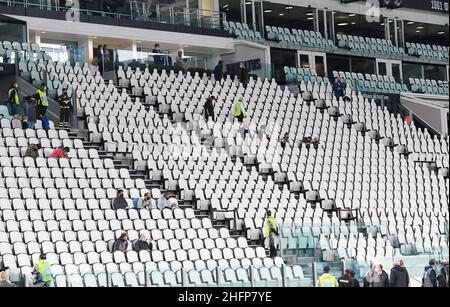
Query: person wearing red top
(408, 120)
(60, 153)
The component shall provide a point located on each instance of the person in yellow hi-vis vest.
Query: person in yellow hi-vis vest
(42, 100)
(43, 272)
(327, 280)
(239, 111)
(13, 98)
(271, 234)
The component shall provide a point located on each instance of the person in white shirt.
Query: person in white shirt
(165, 201)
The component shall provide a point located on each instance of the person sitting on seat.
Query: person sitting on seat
(143, 244)
(119, 201)
(165, 201)
(315, 141)
(147, 202)
(284, 140)
(121, 244)
(33, 151)
(306, 141)
(60, 153)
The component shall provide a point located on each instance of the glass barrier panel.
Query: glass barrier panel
(180, 16)
(166, 15)
(242, 277)
(132, 10)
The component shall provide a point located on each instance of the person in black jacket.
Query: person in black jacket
(65, 105)
(143, 244)
(442, 278)
(354, 282)
(399, 276)
(284, 140)
(243, 74)
(345, 281)
(158, 59)
(429, 279)
(119, 201)
(209, 108)
(218, 71)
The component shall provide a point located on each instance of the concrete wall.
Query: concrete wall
(245, 51)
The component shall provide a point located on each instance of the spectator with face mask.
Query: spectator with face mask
(147, 201)
(119, 201)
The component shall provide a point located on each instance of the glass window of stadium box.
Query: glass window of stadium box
(423, 71)
(63, 51)
(358, 25)
(244, 277)
(424, 33)
(232, 9)
(350, 64)
(12, 30)
(183, 12)
(435, 72)
(191, 61)
(281, 58)
(293, 17)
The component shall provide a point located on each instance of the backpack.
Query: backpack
(135, 202)
(427, 279)
(24, 125)
(45, 123)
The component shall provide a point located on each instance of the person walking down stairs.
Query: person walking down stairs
(65, 106)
